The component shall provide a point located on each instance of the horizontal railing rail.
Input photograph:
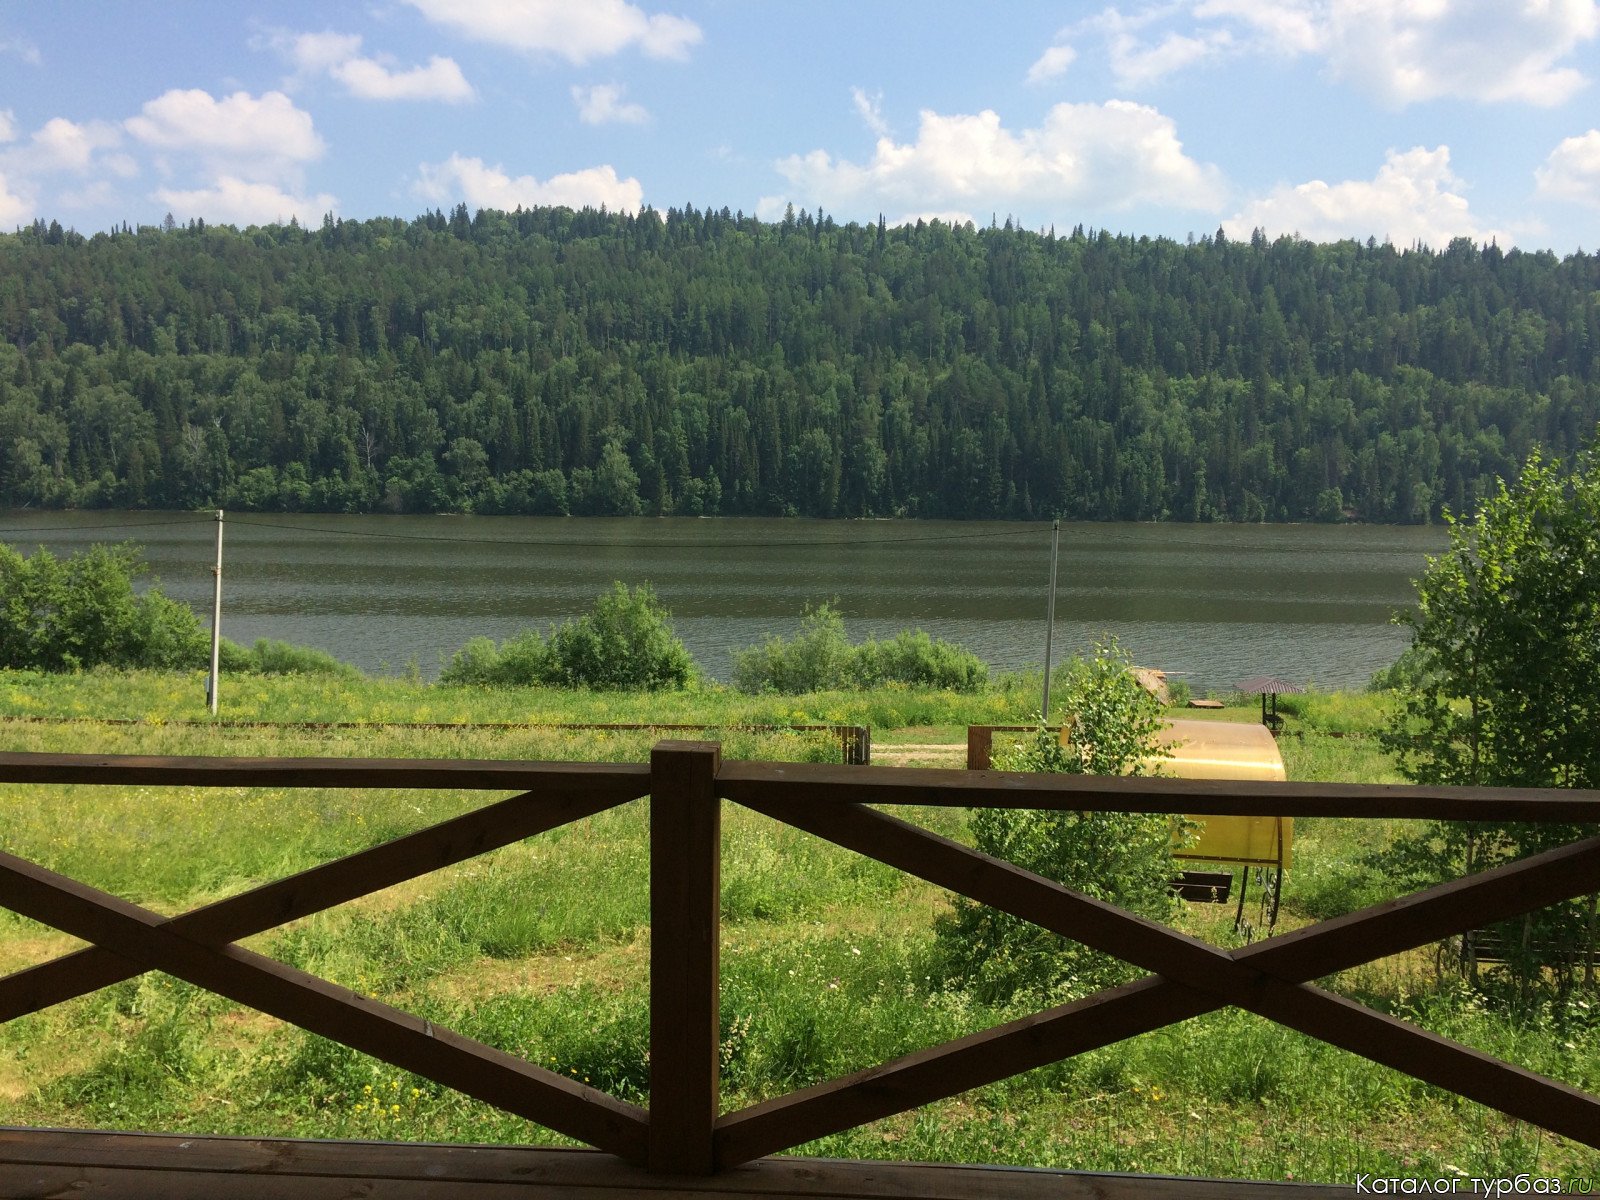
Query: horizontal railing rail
(855, 741)
(683, 1130)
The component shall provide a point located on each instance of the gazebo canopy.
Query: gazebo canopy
(1269, 685)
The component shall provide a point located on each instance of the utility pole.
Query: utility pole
(216, 622)
(1049, 610)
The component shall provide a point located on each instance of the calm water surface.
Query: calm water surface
(1214, 604)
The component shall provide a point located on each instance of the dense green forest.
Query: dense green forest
(551, 361)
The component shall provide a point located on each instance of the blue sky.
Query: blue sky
(1402, 119)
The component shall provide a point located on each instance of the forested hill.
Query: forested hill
(548, 361)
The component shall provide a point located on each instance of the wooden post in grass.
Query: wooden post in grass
(685, 908)
(1050, 618)
(216, 622)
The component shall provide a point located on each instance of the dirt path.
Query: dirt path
(924, 754)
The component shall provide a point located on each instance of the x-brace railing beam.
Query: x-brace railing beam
(1268, 979)
(148, 941)
(319, 888)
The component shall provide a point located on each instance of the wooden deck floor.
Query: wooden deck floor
(38, 1164)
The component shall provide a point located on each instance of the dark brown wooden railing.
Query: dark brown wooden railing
(684, 1130)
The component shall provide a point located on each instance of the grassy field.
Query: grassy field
(830, 963)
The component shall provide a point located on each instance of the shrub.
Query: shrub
(65, 615)
(817, 660)
(820, 658)
(1122, 858)
(475, 663)
(913, 658)
(1501, 693)
(1410, 672)
(625, 643)
(269, 657)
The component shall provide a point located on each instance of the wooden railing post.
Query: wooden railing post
(980, 742)
(685, 907)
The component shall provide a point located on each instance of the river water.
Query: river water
(1212, 604)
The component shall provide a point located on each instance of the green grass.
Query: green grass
(180, 696)
(541, 948)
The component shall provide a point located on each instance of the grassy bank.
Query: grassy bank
(541, 948)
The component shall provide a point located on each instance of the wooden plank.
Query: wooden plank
(685, 941)
(94, 1166)
(980, 747)
(1183, 960)
(1111, 1016)
(321, 887)
(822, 784)
(1395, 926)
(954, 1067)
(459, 774)
(148, 941)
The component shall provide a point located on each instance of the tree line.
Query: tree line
(696, 362)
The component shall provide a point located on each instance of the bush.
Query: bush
(66, 615)
(1410, 672)
(913, 658)
(1501, 692)
(820, 658)
(476, 663)
(626, 643)
(817, 660)
(1122, 858)
(269, 657)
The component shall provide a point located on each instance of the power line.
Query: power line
(1171, 532)
(637, 545)
(63, 530)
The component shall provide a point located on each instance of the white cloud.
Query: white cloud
(63, 145)
(234, 201)
(1283, 26)
(14, 209)
(1414, 197)
(22, 48)
(369, 79)
(1052, 64)
(99, 194)
(1572, 170)
(1111, 155)
(576, 32)
(375, 78)
(1137, 56)
(1473, 49)
(315, 53)
(870, 109)
(57, 146)
(269, 131)
(1398, 51)
(1135, 63)
(482, 186)
(603, 104)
